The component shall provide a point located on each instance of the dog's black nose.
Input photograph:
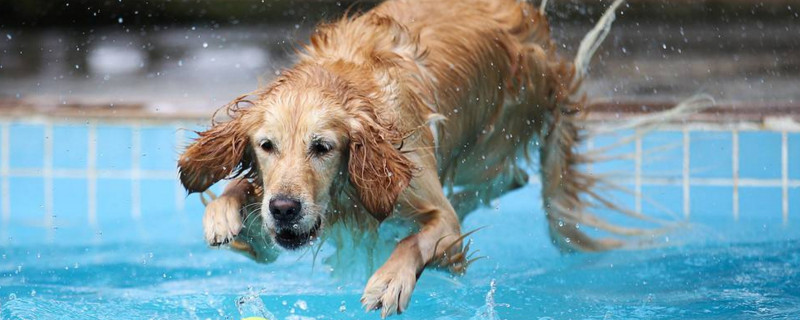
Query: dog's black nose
(284, 209)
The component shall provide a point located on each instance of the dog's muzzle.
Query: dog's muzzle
(293, 237)
(290, 233)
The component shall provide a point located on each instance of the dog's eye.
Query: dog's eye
(267, 146)
(320, 148)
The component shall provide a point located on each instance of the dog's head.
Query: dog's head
(299, 137)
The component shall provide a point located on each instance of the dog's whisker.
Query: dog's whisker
(459, 239)
(471, 261)
(471, 254)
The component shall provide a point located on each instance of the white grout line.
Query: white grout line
(5, 187)
(47, 174)
(5, 159)
(180, 198)
(735, 173)
(589, 164)
(702, 182)
(686, 166)
(693, 125)
(101, 173)
(727, 127)
(638, 172)
(716, 182)
(168, 175)
(785, 175)
(91, 174)
(136, 181)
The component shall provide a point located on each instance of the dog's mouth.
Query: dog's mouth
(292, 239)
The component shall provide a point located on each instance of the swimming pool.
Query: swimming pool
(95, 226)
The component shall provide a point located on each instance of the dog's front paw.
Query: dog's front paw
(222, 221)
(389, 289)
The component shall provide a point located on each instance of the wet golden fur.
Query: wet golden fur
(417, 97)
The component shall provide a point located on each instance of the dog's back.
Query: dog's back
(500, 83)
(502, 89)
(489, 70)
(495, 73)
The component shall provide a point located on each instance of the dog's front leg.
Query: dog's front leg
(223, 218)
(389, 289)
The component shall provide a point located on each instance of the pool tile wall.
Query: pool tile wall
(794, 155)
(710, 155)
(662, 154)
(27, 149)
(70, 147)
(102, 181)
(114, 147)
(794, 206)
(711, 203)
(760, 155)
(78, 181)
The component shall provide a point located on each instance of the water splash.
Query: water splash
(487, 311)
(250, 305)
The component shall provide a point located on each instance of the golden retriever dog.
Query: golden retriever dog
(418, 109)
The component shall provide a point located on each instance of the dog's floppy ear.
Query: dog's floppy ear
(378, 170)
(216, 153)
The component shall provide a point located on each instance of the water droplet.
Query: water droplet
(301, 304)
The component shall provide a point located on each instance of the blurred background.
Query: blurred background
(189, 57)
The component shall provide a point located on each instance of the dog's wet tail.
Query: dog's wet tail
(571, 194)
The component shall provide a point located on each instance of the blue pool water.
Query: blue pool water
(94, 226)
